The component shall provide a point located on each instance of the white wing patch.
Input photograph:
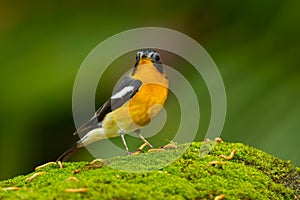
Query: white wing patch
(123, 92)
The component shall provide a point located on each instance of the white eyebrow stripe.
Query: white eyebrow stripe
(123, 92)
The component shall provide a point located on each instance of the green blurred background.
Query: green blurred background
(255, 44)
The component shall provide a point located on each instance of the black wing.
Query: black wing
(124, 91)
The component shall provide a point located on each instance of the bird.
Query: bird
(137, 98)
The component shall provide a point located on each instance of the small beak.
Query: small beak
(144, 60)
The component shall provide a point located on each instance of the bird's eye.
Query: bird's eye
(156, 57)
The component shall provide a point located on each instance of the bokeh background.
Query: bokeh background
(255, 44)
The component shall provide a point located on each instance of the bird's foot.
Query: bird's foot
(163, 148)
(156, 150)
(140, 149)
(151, 149)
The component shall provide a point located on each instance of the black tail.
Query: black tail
(66, 155)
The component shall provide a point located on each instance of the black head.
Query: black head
(147, 56)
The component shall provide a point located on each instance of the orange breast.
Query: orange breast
(147, 103)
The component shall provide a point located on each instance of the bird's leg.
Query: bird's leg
(122, 133)
(138, 132)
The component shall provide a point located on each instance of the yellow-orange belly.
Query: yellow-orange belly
(147, 103)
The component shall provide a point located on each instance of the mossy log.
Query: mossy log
(249, 174)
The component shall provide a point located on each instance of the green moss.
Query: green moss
(251, 174)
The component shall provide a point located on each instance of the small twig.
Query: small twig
(230, 156)
(34, 175)
(59, 164)
(11, 188)
(220, 197)
(44, 165)
(213, 163)
(76, 190)
(72, 178)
